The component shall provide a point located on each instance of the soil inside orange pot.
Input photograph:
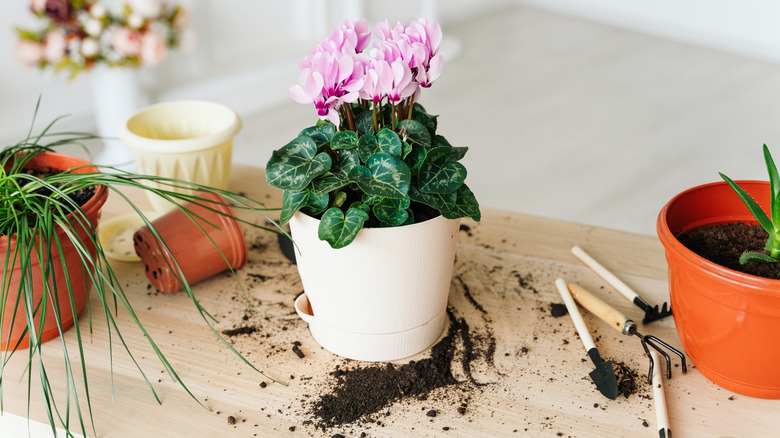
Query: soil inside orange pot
(724, 243)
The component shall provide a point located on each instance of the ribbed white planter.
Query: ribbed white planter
(384, 296)
(190, 140)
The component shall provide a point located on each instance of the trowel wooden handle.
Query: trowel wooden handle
(604, 311)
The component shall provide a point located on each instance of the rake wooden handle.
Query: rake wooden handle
(604, 311)
(608, 276)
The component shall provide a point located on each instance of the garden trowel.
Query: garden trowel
(604, 375)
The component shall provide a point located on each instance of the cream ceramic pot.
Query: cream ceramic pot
(190, 140)
(382, 297)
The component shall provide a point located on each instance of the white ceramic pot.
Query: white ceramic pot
(190, 140)
(382, 297)
(116, 94)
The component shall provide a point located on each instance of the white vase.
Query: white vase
(190, 140)
(117, 94)
(382, 297)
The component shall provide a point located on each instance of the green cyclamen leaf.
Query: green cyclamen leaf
(293, 201)
(338, 229)
(367, 146)
(414, 133)
(364, 122)
(416, 158)
(461, 203)
(344, 140)
(392, 212)
(296, 164)
(327, 183)
(440, 175)
(388, 141)
(457, 153)
(465, 205)
(383, 175)
(322, 133)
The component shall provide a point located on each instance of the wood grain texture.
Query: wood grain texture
(533, 383)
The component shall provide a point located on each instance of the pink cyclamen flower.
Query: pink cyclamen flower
(153, 48)
(54, 46)
(387, 79)
(420, 41)
(329, 81)
(349, 38)
(126, 42)
(29, 53)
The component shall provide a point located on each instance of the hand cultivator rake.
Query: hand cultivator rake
(628, 327)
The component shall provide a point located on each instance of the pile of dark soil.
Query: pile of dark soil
(724, 243)
(360, 393)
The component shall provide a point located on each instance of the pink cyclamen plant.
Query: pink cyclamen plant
(344, 68)
(375, 159)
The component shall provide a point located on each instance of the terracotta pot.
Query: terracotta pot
(727, 321)
(14, 326)
(382, 297)
(193, 248)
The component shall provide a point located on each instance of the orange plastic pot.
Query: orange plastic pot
(728, 322)
(208, 246)
(15, 333)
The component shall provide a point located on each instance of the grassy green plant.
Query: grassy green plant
(39, 215)
(771, 225)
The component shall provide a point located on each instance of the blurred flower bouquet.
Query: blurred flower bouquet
(76, 35)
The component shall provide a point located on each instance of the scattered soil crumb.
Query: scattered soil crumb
(231, 420)
(558, 309)
(246, 330)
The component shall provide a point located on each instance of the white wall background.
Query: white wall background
(248, 50)
(747, 27)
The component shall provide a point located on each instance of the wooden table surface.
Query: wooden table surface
(534, 382)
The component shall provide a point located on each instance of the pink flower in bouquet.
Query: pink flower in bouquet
(329, 81)
(60, 11)
(126, 42)
(54, 46)
(153, 48)
(38, 6)
(29, 52)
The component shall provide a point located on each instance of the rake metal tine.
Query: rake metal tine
(652, 362)
(673, 350)
(652, 313)
(668, 359)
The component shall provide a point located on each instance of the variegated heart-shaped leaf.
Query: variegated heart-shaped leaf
(344, 140)
(339, 229)
(383, 175)
(414, 133)
(296, 164)
(321, 133)
(392, 212)
(439, 174)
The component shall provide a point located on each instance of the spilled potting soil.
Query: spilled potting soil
(504, 329)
